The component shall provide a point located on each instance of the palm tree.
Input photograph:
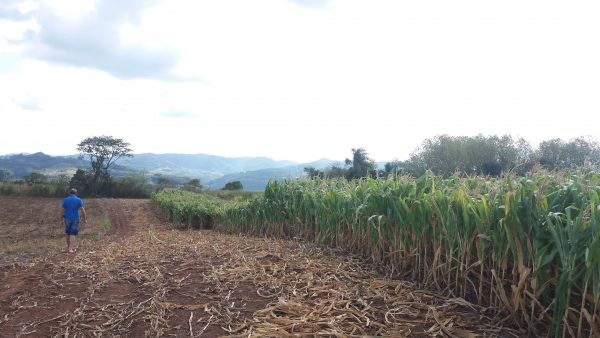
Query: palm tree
(360, 165)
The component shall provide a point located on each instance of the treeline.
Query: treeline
(134, 185)
(37, 184)
(474, 155)
(102, 152)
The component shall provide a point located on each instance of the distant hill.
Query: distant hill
(213, 171)
(202, 166)
(22, 164)
(257, 180)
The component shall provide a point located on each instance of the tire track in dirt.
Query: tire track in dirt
(109, 209)
(137, 281)
(34, 295)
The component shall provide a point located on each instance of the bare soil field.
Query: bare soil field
(133, 276)
(32, 226)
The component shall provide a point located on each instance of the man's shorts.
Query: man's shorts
(72, 227)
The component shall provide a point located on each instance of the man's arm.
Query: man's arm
(84, 215)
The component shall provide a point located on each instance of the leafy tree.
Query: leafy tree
(557, 154)
(314, 173)
(35, 178)
(103, 152)
(550, 154)
(360, 165)
(478, 155)
(130, 186)
(62, 184)
(5, 175)
(82, 181)
(164, 182)
(234, 185)
(394, 167)
(193, 185)
(335, 171)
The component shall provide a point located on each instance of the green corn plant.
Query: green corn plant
(528, 247)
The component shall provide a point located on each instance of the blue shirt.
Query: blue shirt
(71, 205)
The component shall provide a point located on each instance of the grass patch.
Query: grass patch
(93, 237)
(153, 238)
(30, 247)
(105, 223)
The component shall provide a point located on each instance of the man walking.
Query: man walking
(70, 214)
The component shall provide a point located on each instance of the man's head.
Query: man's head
(73, 191)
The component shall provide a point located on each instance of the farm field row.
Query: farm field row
(142, 278)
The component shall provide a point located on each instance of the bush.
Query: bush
(193, 185)
(129, 187)
(40, 190)
(126, 187)
(6, 189)
(35, 178)
(235, 185)
(81, 181)
(60, 191)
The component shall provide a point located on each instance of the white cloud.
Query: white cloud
(27, 102)
(70, 9)
(312, 3)
(177, 114)
(87, 34)
(298, 82)
(16, 10)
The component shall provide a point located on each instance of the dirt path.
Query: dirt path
(144, 279)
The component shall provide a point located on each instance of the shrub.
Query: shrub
(6, 189)
(235, 185)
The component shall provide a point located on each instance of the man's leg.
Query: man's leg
(73, 232)
(68, 235)
(73, 242)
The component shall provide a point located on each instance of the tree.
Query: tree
(131, 186)
(477, 155)
(35, 178)
(557, 154)
(193, 185)
(360, 164)
(336, 171)
(526, 157)
(103, 152)
(163, 183)
(394, 167)
(5, 175)
(235, 185)
(61, 183)
(82, 181)
(314, 173)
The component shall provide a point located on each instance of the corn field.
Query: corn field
(193, 209)
(527, 248)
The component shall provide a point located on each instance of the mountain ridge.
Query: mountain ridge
(213, 171)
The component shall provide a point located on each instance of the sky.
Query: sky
(297, 80)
